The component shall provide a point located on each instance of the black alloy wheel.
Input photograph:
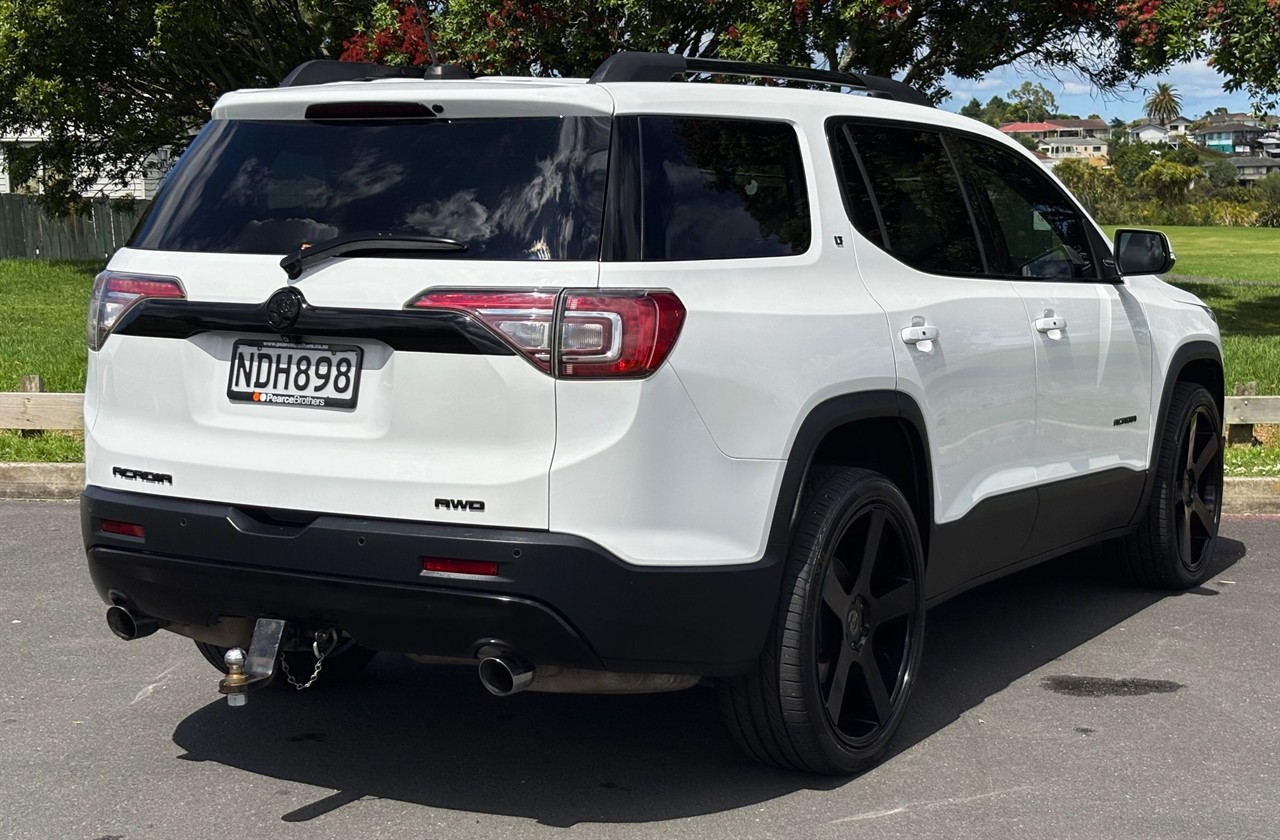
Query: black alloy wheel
(832, 685)
(1173, 547)
(863, 636)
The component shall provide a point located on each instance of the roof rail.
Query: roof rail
(663, 67)
(323, 71)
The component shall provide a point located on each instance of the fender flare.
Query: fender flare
(821, 420)
(1192, 351)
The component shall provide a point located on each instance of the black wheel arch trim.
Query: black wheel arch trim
(821, 420)
(1186, 354)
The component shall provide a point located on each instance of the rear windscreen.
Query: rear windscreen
(509, 189)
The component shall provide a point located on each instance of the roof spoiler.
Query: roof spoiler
(323, 71)
(664, 67)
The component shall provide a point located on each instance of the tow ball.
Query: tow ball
(246, 670)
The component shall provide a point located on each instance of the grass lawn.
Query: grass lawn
(44, 332)
(1251, 254)
(45, 322)
(48, 446)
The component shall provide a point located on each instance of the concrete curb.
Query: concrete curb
(1252, 495)
(65, 481)
(41, 481)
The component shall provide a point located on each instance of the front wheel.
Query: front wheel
(1174, 544)
(831, 687)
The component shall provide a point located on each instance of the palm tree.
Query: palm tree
(1164, 105)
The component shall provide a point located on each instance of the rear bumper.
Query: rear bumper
(557, 600)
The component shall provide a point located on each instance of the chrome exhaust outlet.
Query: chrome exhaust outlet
(506, 674)
(130, 625)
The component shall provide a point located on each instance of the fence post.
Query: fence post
(31, 384)
(1241, 434)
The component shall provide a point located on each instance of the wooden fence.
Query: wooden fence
(27, 232)
(31, 411)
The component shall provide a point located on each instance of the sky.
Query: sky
(1199, 85)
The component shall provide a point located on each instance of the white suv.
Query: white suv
(620, 384)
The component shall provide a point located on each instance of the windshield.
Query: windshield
(509, 189)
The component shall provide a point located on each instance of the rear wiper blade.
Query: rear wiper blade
(368, 245)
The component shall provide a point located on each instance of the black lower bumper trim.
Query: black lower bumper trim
(557, 599)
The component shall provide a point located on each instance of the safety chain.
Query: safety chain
(320, 635)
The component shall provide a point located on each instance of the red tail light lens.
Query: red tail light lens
(114, 292)
(601, 333)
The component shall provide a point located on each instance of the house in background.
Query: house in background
(1250, 169)
(139, 187)
(1232, 138)
(1180, 127)
(1063, 139)
(1150, 132)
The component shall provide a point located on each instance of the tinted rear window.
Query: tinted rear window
(530, 188)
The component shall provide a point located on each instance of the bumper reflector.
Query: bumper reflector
(440, 566)
(124, 529)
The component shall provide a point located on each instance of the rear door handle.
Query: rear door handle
(1056, 322)
(918, 333)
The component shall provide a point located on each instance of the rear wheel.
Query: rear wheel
(342, 664)
(831, 687)
(1173, 546)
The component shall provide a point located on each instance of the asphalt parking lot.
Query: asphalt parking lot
(1053, 704)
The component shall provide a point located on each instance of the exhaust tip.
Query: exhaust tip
(128, 625)
(505, 675)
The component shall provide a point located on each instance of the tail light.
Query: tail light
(114, 292)
(578, 333)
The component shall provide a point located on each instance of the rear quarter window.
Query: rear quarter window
(719, 189)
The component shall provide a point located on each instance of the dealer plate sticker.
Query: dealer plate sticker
(305, 375)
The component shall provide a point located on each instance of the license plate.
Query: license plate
(305, 375)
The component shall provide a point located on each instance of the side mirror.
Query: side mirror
(1143, 252)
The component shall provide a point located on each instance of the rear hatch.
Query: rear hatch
(221, 377)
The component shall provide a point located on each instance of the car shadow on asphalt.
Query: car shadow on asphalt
(435, 737)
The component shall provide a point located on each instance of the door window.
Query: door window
(904, 195)
(1034, 229)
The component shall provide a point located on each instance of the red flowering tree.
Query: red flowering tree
(1108, 42)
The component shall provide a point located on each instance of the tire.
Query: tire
(1173, 546)
(343, 664)
(831, 686)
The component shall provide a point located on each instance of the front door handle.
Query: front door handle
(917, 333)
(1050, 324)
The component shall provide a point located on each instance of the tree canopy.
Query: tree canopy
(1164, 104)
(107, 84)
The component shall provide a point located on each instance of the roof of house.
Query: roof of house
(1025, 127)
(1180, 121)
(1224, 127)
(1141, 126)
(1241, 162)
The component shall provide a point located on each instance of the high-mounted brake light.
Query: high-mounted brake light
(114, 292)
(600, 333)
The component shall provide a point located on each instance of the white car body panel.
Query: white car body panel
(427, 425)
(684, 468)
(1091, 377)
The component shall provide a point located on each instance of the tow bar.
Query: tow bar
(245, 671)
